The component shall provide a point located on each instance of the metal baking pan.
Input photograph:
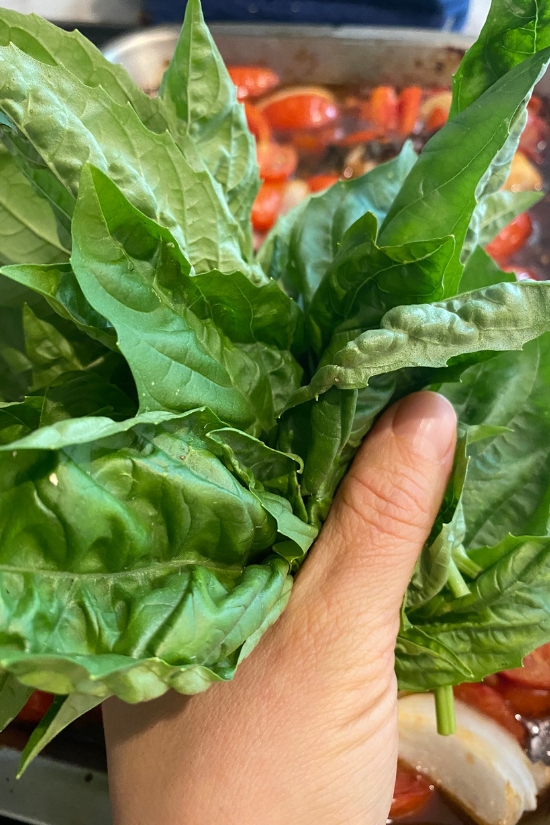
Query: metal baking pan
(68, 785)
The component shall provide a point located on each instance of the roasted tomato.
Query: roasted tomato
(276, 162)
(435, 109)
(315, 142)
(533, 139)
(382, 109)
(318, 183)
(267, 206)
(535, 672)
(522, 273)
(437, 119)
(252, 81)
(533, 703)
(257, 124)
(512, 238)
(490, 702)
(362, 136)
(301, 107)
(409, 109)
(37, 706)
(412, 793)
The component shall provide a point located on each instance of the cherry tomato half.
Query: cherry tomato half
(412, 793)
(267, 206)
(318, 183)
(535, 672)
(409, 102)
(362, 136)
(512, 238)
(257, 123)
(490, 702)
(383, 109)
(532, 703)
(300, 108)
(276, 162)
(437, 120)
(252, 81)
(37, 706)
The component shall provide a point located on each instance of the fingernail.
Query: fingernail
(427, 422)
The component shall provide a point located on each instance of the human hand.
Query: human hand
(307, 732)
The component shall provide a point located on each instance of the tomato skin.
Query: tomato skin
(437, 119)
(383, 109)
(533, 138)
(533, 703)
(412, 793)
(37, 706)
(257, 123)
(300, 108)
(252, 81)
(409, 102)
(267, 206)
(535, 672)
(276, 162)
(491, 703)
(362, 136)
(512, 238)
(318, 183)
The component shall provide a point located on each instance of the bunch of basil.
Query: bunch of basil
(174, 424)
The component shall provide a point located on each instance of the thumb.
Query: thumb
(384, 510)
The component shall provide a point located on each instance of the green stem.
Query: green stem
(465, 564)
(445, 710)
(457, 584)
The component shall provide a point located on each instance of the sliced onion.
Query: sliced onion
(482, 766)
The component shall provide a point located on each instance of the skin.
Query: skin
(307, 732)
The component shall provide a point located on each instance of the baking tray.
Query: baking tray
(68, 786)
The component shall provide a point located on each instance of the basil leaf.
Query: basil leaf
(493, 213)
(365, 281)
(440, 194)
(131, 271)
(511, 32)
(481, 271)
(13, 698)
(91, 128)
(200, 97)
(499, 317)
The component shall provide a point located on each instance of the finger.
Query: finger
(386, 506)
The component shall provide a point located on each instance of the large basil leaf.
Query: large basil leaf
(69, 124)
(481, 271)
(303, 244)
(440, 194)
(493, 213)
(365, 281)
(200, 97)
(499, 317)
(131, 271)
(511, 32)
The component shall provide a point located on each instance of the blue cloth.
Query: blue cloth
(448, 14)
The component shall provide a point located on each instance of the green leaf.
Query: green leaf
(13, 698)
(499, 317)
(440, 194)
(28, 230)
(200, 97)
(303, 244)
(365, 281)
(509, 475)
(91, 128)
(504, 618)
(423, 662)
(53, 46)
(131, 272)
(511, 32)
(493, 213)
(58, 285)
(481, 271)
(64, 711)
